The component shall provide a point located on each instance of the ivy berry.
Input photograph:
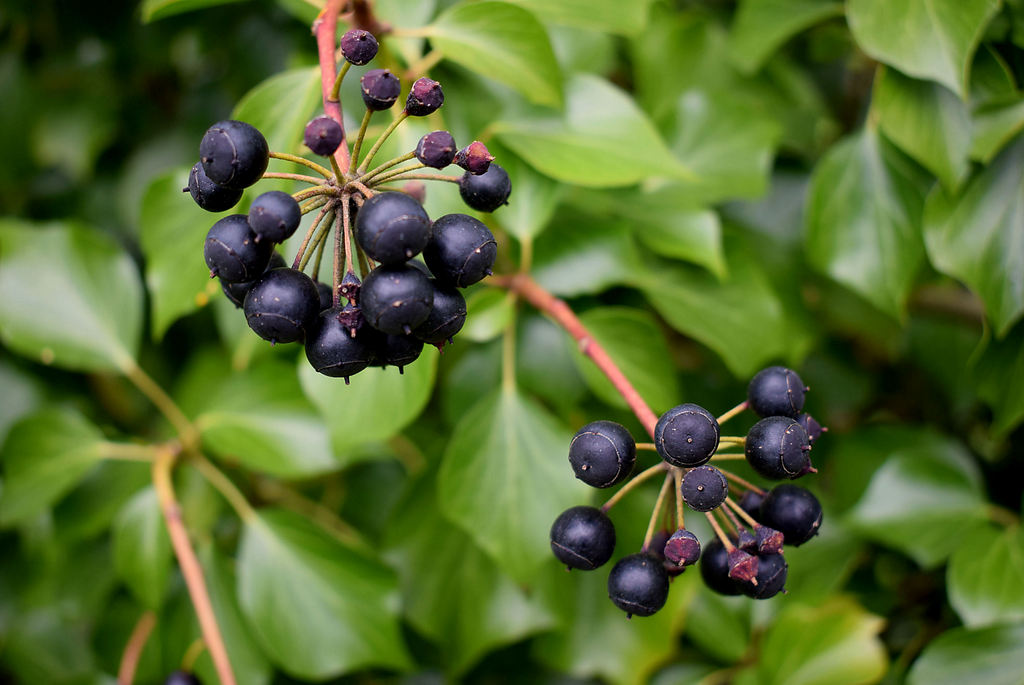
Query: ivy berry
(602, 454)
(461, 250)
(274, 216)
(282, 305)
(704, 488)
(234, 154)
(686, 435)
(776, 391)
(487, 191)
(638, 584)
(209, 195)
(777, 447)
(358, 46)
(396, 299)
(323, 136)
(793, 511)
(583, 538)
(392, 227)
(232, 251)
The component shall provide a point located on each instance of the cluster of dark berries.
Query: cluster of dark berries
(399, 304)
(745, 556)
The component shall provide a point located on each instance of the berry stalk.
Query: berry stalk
(133, 650)
(326, 29)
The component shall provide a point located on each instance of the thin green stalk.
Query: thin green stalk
(295, 159)
(336, 90)
(380, 141)
(360, 137)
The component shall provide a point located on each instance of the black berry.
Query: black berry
(358, 46)
(474, 158)
(323, 136)
(682, 548)
(231, 250)
(396, 350)
(425, 97)
(583, 538)
(777, 448)
(602, 454)
(750, 502)
(714, 569)
(234, 154)
(380, 89)
(704, 488)
(776, 391)
(209, 195)
(326, 294)
(638, 584)
(396, 299)
(236, 292)
(793, 511)
(182, 678)
(392, 227)
(461, 250)
(686, 435)
(436, 149)
(274, 216)
(282, 305)
(447, 315)
(487, 191)
(813, 428)
(333, 351)
(772, 570)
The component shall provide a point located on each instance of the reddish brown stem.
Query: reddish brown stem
(326, 30)
(532, 292)
(133, 650)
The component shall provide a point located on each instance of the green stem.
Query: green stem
(162, 401)
(422, 177)
(294, 177)
(384, 178)
(386, 165)
(336, 90)
(319, 240)
(508, 350)
(119, 451)
(380, 141)
(739, 408)
(1002, 515)
(360, 137)
(309, 235)
(322, 170)
(653, 523)
(633, 483)
(224, 486)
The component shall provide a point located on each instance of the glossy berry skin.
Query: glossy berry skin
(813, 428)
(331, 349)
(326, 294)
(772, 570)
(274, 216)
(182, 678)
(793, 511)
(704, 488)
(282, 306)
(714, 569)
(231, 250)
(436, 149)
(209, 195)
(776, 391)
(682, 548)
(396, 350)
(234, 154)
(236, 292)
(602, 454)
(461, 250)
(425, 97)
(358, 46)
(446, 318)
(750, 502)
(396, 299)
(686, 435)
(638, 584)
(380, 89)
(392, 227)
(583, 538)
(474, 158)
(323, 136)
(777, 448)
(487, 191)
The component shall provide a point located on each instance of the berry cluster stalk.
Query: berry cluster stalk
(326, 29)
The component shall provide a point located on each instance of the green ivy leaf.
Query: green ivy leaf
(503, 479)
(760, 27)
(536, 198)
(719, 625)
(925, 501)
(999, 377)
(929, 39)
(501, 41)
(863, 220)
(605, 146)
(585, 256)
(978, 236)
(375, 406)
(142, 548)
(172, 231)
(632, 338)
(261, 418)
(835, 643)
(490, 311)
(986, 577)
(990, 655)
(89, 509)
(159, 9)
(598, 15)
(46, 454)
(432, 557)
(927, 121)
(72, 296)
(993, 126)
(280, 107)
(318, 608)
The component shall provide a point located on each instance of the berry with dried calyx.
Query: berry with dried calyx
(236, 292)
(396, 350)
(487, 191)
(742, 566)
(602, 454)
(447, 315)
(704, 488)
(776, 391)
(714, 569)
(436, 149)
(392, 227)
(358, 46)
(686, 435)
(682, 548)
(772, 570)
(425, 97)
(777, 447)
(232, 252)
(583, 537)
(209, 195)
(332, 350)
(396, 299)
(323, 135)
(282, 305)
(769, 540)
(380, 89)
(813, 428)
(234, 154)
(638, 584)
(274, 216)
(474, 158)
(461, 250)
(793, 511)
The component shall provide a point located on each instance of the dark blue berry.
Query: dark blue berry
(776, 391)
(358, 46)
(380, 89)
(333, 351)
(447, 315)
(396, 350)
(425, 97)
(326, 295)
(750, 502)
(704, 488)
(474, 158)
(714, 569)
(682, 548)
(392, 227)
(793, 511)
(813, 428)
(772, 570)
(638, 584)
(777, 448)
(282, 306)
(236, 292)
(274, 216)
(396, 299)
(323, 136)
(182, 678)
(234, 154)
(436, 149)
(583, 538)
(686, 435)
(602, 453)
(487, 191)
(232, 252)
(461, 250)
(209, 195)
